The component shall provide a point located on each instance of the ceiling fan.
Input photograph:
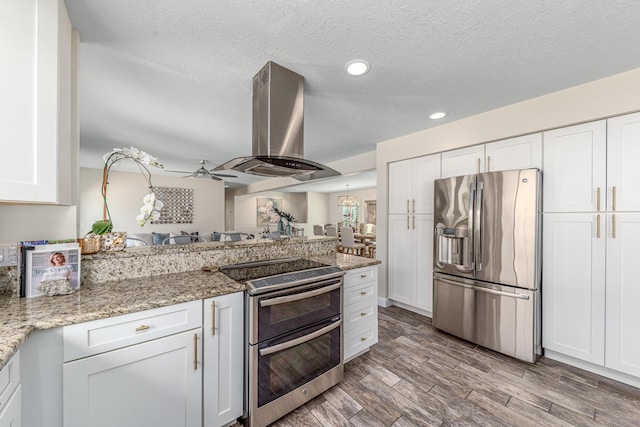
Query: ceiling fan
(203, 172)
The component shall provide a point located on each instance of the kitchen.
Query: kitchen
(557, 110)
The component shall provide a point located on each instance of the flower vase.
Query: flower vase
(281, 227)
(287, 230)
(113, 241)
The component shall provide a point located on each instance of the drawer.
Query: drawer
(360, 275)
(9, 379)
(98, 336)
(357, 315)
(359, 293)
(359, 340)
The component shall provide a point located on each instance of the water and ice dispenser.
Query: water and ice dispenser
(453, 246)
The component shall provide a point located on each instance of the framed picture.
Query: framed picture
(52, 269)
(265, 213)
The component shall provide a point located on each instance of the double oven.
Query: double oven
(294, 333)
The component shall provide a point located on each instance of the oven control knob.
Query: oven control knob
(305, 391)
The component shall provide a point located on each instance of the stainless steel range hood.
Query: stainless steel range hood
(278, 128)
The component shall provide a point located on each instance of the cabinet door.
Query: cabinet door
(400, 191)
(523, 152)
(423, 235)
(425, 170)
(223, 359)
(573, 285)
(156, 383)
(465, 161)
(35, 41)
(11, 414)
(575, 168)
(623, 153)
(623, 293)
(401, 259)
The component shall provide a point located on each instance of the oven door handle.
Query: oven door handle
(285, 345)
(296, 297)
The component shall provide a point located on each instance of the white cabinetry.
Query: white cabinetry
(36, 86)
(590, 292)
(522, 152)
(223, 359)
(11, 393)
(360, 311)
(137, 369)
(411, 231)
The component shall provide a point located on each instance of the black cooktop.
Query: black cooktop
(263, 276)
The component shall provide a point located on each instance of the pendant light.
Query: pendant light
(348, 200)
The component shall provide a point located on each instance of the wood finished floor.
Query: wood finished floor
(419, 376)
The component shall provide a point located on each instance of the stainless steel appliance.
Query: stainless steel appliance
(486, 286)
(294, 333)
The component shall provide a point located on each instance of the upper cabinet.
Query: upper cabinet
(411, 185)
(575, 161)
(521, 152)
(623, 153)
(36, 103)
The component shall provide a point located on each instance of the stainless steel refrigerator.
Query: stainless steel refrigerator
(487, 268)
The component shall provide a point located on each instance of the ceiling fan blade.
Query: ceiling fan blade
(216, 178)
(180, 172)
(223, 175)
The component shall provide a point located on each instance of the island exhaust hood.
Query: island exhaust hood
(278, 127)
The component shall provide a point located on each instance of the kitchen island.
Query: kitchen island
(145, 278)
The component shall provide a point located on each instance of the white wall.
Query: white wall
(607, 97)
(124, 195)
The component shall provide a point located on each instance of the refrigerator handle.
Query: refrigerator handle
(472, 197)
(477, 235)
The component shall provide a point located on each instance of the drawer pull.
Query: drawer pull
(195, 352)
(142, 328)
(213, 318)
(363, 292)
(363, 338)
(363, 313)
(363, 276)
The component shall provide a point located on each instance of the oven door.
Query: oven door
(277, 313)
(284, 364)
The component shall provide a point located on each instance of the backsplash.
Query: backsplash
(8, 279)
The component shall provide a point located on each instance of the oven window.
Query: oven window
(288, 369)
(281, 317)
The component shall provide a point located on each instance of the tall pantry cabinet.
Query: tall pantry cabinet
(410, 257)
(591, 240)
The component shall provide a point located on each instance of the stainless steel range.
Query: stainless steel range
(294, 346)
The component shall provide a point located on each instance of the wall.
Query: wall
(607, 97)
(124, 195)
(335, 211)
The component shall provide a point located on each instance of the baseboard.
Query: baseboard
(596, 369)
(411, 308)
(384, 302)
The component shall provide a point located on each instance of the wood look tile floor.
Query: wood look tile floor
(419, 376)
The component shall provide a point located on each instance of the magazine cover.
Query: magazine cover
(52, 269)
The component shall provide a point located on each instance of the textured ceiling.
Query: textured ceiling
(174, 77)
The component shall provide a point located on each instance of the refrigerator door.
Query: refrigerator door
(453, 225)
(502, 318)
(507, 221)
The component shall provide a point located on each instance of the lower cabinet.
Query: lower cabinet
(360, 315)
(11, 393)
(153, 376)
(223, 336)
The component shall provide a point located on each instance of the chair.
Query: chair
(183, 239)
(332, 231)
(318, 230)
(349, 243)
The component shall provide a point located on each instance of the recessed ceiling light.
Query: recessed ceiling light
(438, 115)
(357, 67)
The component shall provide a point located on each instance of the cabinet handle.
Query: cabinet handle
(478, 164)
(598, 199)
(407, 206)
(413, 206)
(488, 163)
(195, 352)
(142, 328)
(408, 228)
(213, 318)
(363, 292)
(598, 226)
(363, 313)
(363, 338)
(613, 226)
(363, 276)
(613, 205)
(414, 221)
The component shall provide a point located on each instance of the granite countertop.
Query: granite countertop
(21, 316)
